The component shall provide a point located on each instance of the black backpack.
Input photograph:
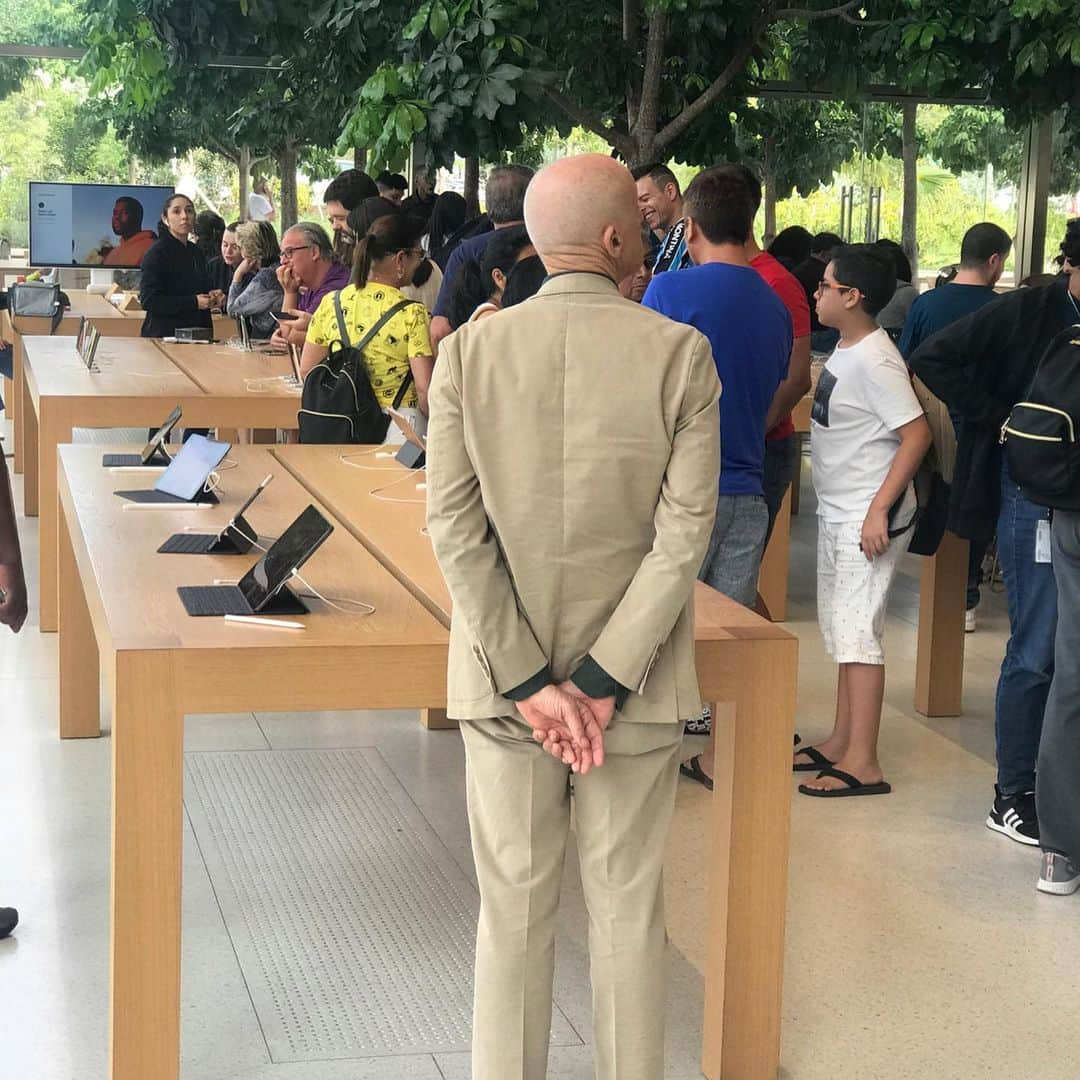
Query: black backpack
(338, 404)
(1040, 435)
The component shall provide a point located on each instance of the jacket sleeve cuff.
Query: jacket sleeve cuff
(530, 686)
(591, 679)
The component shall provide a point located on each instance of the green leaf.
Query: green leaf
(418, 23)
(440, 21)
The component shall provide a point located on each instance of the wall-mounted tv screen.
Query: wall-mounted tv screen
(96, 225)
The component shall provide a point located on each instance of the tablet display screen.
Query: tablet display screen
(292, 549)
(187, 473)
(161, 434)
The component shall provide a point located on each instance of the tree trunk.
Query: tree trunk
(909, 214)
(359, 158)
(472, 186)
(287, 209)
(768, 183)
(245, 180)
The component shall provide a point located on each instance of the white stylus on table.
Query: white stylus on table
(254, 620)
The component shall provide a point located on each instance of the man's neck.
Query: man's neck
(675, 218)
(578, 262)
(320, 275)
(751, 248)
(729, 254)
(969, 277)
(855, 327)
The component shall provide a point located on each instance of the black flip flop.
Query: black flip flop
(854, 786)
(798, 738)
(694, 771)
(817, 762)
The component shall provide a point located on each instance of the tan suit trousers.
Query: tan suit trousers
(519, 813)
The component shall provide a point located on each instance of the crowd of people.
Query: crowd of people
(578, 350)
(763, 312)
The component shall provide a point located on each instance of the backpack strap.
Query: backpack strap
(383, 319)
(342, 330)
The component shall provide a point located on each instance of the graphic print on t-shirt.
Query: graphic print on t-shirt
(826, 385)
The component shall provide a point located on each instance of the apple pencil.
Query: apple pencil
(254, 620)
(168, 506)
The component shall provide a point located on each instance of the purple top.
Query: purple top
(336, 278)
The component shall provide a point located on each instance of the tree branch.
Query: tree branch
(809, 14)
(590, 122)
(631, 37)
(645, 124)
(674, 128)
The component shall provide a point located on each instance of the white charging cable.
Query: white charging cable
(376, 492)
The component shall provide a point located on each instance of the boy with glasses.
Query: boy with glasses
(868, 436)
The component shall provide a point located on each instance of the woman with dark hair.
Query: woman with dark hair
(255, 290)
(209, 229)
(427, 278)
(894, 314)
(447, 217)
(386, 258)
(175, 288)
(477, 290)
(791, 246)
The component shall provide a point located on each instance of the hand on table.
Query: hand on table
(13, 587)
(217, 299)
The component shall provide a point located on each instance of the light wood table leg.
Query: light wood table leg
(148, 737)
(773, 575)
(939, 665)
(437, 720)
(29, 445)
(796, 479)
(18, 418)
(80, 679)
(53, 431)
(9, 398)
(748, 860)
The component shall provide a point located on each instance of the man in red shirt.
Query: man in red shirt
(781, 442)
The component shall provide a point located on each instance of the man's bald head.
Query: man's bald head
(581, 213)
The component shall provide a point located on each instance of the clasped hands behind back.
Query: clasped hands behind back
(569, 725)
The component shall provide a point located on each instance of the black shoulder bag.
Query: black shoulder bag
(338, 404)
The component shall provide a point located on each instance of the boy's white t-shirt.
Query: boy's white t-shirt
(864, 395)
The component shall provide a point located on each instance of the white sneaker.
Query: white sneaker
(1059, 875)
(969, 621)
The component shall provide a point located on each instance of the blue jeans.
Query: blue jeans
(1028, 666)
(7, 359)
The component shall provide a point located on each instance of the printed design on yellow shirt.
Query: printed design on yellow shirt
(387, 355)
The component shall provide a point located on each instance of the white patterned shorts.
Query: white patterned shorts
(853, 592)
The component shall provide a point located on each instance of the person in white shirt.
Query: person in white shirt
(868, 435)
(261, 202)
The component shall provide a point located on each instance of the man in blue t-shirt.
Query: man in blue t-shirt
(750, 330)
(983, 252)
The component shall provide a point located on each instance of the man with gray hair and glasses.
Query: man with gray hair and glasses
(504, 196)
(308, 271)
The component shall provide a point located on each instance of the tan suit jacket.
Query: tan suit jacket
(573, 471)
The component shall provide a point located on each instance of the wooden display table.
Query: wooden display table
(138, 384)
(100, 313)
(743, 662)
(119, 608)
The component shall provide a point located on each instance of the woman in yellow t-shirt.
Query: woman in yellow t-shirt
(385, 260)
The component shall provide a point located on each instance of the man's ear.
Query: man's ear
(691, 232)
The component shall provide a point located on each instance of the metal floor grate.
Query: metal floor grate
(352, 924)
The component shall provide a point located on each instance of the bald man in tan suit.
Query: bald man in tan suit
(573, 466)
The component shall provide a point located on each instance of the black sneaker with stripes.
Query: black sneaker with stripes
(1015, 816)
